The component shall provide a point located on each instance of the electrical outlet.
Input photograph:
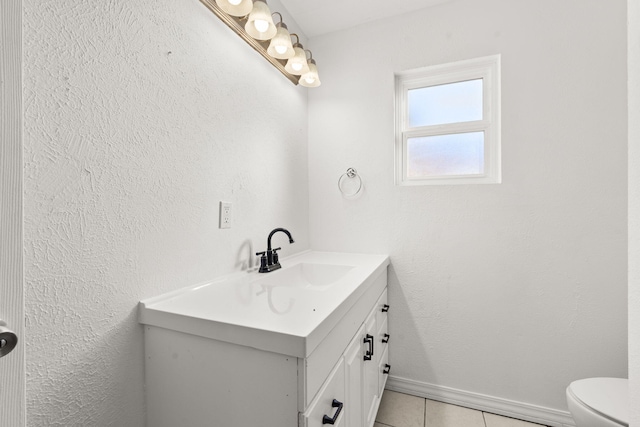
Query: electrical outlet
(225, 214)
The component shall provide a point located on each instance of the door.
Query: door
(12, 373)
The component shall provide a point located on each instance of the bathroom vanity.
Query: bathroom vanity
(303, 346)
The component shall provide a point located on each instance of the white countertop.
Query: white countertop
(258, 310)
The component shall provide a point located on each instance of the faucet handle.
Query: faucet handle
(263, 261)
(275, 255)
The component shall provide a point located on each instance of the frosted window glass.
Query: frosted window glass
(456, 154)
(448, 103)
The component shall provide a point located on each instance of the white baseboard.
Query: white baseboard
(482, 402)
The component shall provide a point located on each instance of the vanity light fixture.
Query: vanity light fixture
(252, 20)
(310, 78)
(297, 65)
(280, 46)
(259, 24)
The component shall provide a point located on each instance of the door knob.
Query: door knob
(8, 339)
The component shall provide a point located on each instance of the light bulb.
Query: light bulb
(297, 65)
(280, 46)
(235, 7)
(310, 78)
(261, 25)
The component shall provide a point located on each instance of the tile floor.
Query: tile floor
(403, 410)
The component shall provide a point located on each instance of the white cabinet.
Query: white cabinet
(365, 368)
(375, 358)
(204, 374)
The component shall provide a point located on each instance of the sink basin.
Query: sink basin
(306, 275)
(288, 311)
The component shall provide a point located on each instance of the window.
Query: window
(448, 123)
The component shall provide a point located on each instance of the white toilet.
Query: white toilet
(599, 402)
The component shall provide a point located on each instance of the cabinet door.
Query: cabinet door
(370, 371)
(330, 401)
(353, 362)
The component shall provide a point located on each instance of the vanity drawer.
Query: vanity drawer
(382, 308)
(383, 337)
(330, 401)
(383, 370)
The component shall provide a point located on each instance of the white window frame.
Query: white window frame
(486, 68)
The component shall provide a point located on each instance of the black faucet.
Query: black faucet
(269, 258)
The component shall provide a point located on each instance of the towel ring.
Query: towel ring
(350, 183)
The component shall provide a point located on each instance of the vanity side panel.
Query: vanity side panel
(193, 382)
(326, 355)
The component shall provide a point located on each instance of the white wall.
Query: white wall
(513, 290)
(139, 118)
(634, 210)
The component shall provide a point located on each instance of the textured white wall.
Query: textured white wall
(634, 210)
(510, 290)
(139, 118)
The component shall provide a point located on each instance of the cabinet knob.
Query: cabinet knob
(385, 308)
(386, 369)
(386, 338)
(329, 420)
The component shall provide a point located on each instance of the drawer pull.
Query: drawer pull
(385, 308)
(335, 404)
(386, 338)
(386, 369)
(368, 340)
